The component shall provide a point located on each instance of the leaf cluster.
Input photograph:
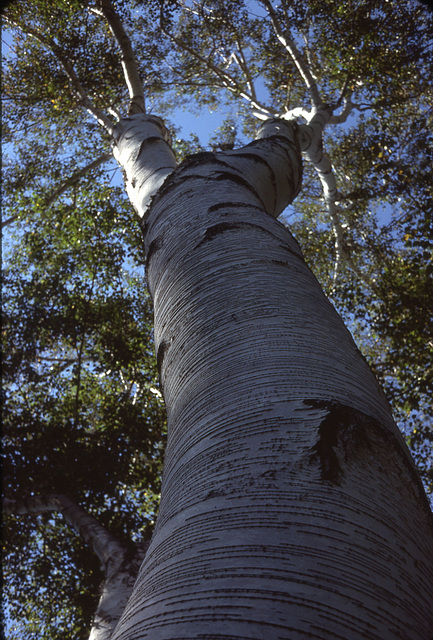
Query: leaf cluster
(82, 413)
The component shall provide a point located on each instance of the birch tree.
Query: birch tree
(290, 505)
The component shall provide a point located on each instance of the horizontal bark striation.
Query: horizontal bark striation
(272, 523)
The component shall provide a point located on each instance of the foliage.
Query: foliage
(82, 412)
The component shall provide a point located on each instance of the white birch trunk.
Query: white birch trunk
(141, 147)
(116, 589)
(290, 506)
(119, 568)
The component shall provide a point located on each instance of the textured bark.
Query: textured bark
(141, 147)
(290, 506)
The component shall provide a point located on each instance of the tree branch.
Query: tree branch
(120, 570)
(9, 220)
(297, 112)
(228, 81)
(242, 63)
(284, 36)
(75, 177)
(97, 113)
(108, 549)
(69, 182)
(128, 59)
(310, 136)
(307, 54)
(345, 99)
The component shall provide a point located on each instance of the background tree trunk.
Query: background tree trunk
(290, 506)
(119, 565)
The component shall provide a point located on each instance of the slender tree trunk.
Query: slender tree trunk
(116, 589)
(118, 564)
(290, 506)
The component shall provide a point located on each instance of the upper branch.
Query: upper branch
(108, 549)
(310, 136)
(97, 113)
(128, 59)
(242, 63)
(228, 81)
(348, 107)
(284, 36)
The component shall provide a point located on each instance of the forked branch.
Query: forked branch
(228, 81)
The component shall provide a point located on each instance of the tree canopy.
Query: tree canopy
(83, 414)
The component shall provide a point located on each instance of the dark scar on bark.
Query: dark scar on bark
(162, 350)
(349, 435)
(221, 227)
(233, 205)
(343, 434)
(153, 247)
(147, 142)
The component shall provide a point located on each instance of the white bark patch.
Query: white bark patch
(141, 146)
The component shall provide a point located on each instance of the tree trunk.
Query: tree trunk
(119, 565)
(290, 506)
(116, 590)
